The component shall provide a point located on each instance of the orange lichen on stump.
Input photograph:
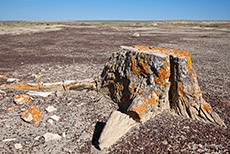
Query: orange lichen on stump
(175, 53)
(140, 91)
(141, 105)
(206, 107)
(134, 66)
(132, 90)
(141, 47)
(31, 115)
(119, 87)
(163, 74)
(144, 68)
(180, 90)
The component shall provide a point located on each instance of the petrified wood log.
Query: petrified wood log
(148, 79)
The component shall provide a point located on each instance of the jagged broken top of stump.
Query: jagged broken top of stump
(143, 80)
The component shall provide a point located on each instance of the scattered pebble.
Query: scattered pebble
(136, 35)
(68, 104)
(18, 146)
(50, 136)
(32, 114)
(77, 123)
(67, 150)
(64, 134)
(51, 121)
(37, 138)
(39, 93)
(84, 136)
(14, 74)
(21, 99)
(9, 140)
(51, 108)
(23, 109)
(36, 76)
(186, 127)
(165, 142)
(7, 125)
(12, 80)
(55, 117)
(117, 30)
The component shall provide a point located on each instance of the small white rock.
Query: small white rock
(84, 136)
(36, 76)
(68, 104)
(77, 123)
(64, 134)
(39, 93)
(9, 139)
(55, 117)
(23, 109)
(12, 80)
(37, 138)
(136, 34)
(165, 142)
(50, 136)
(18, 146)
(51, 108)
(51, 121)
(186, 127)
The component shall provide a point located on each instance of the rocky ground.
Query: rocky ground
(79, 52)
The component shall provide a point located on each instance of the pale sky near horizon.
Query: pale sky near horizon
(114, 10)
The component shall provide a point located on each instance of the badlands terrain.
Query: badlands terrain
(60, 51)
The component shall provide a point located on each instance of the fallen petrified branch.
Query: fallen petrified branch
(143, 81)
(87, 84)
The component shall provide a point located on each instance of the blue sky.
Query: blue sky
(114, 9)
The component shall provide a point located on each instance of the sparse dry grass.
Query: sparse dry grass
(119, 23)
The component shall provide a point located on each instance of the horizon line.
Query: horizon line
(112, 20)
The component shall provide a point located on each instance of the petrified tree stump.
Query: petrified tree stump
(145, 79)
